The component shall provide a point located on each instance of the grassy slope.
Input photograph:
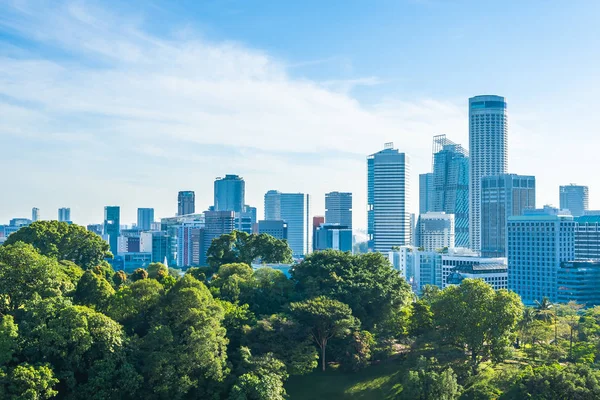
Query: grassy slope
(379, 382)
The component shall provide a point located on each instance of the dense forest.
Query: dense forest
(73, 328)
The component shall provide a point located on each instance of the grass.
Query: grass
(381, 382)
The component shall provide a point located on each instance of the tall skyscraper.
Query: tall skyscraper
(338, 209)
(450, 185)
(186, 203)
(230, 193)
(574, 198)
(587, 237)
(190, 245)
(488, 144)
(112, 227)
(388, 194)
(293, 208)
(145, 218)
(425, 193)
(35, 214)
(502, 196)
(435, 230)
(538, 242)
(64, 214)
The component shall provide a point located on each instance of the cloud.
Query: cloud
(160, 107)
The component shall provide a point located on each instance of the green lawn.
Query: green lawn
(378, 382)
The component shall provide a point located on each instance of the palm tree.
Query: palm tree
(527, 319)
(545, 310)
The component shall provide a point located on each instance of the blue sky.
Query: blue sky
(112, 103)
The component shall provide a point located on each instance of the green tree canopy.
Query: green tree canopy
(430, 382)
(63, 241)
(366, 282)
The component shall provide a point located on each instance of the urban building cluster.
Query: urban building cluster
(477, 219)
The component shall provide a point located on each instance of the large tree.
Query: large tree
(63, 241)
(326, 319)
(475, 317)
(366, 282)
(241, 247)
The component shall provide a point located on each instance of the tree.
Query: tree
(31, 382)
(429, 382)
(156, 269)
(545, 311)
(9, 332)
(263, 380)
(267, 291)
(138, 274)
(135, 305)
(474, 316)
(570, 313)
(326, 319)
(241, 247)
(24, 273)
(63, 241)
(525, 322)
(93, 291)
(421, 319)
(367, 283)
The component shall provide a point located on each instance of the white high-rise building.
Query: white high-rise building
(435, 230)
(574, 198)
(388, 194)
(488, 144)
(294, 209)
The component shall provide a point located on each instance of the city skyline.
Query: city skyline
(327, 106)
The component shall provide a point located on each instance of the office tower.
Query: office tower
(338, 208)
(112, 227)
(190, 241)
(276, 228)
(579, 281)
(388, 197)
(64, 214)
(317, 221)
(156, 243)
(488, 139)
(35, 214)
(246, 219)
(96, 228)
(145, 218)
(128, 244)
(587, 237)
(230, 193)
(419, 268)
(538, 242)
(574, 198)
(334, 237)
(502, 196)
(186, 203)
(216, 223)
(435, 231)
(425, 192)
(171, 225)
(450, 185)
(293, 208)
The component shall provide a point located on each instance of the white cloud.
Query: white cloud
(147, 116)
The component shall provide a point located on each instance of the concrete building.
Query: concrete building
(276, 228)
(338, 208)
(112, 226)
(419, 268)
(435, 231)
(587, 237)
(64, 214)
(574, 198)
(190, 245)
(157, 244)
(425, 193)
(502, 196)
(334, 237)
(538, 242)
(493, 271)
(579, 281)
(230, 193)
(388, 196)
(186, 202)
(293, 208)
(171, 225)
(145, 218)
(128, 244)
(35, 214)
(450, 185)
(96, 228)
(488, 147)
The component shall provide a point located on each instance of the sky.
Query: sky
(127, 103)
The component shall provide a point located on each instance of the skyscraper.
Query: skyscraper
(35, 214)
(450, 185)
(338, 209)
(538, 242)
(502, 196)
(574, 198)
(425, 193)
(230, 193)
(293, 208)
(435, 230)
(145, 218)
(112, 227)
(64, 214)
(488, 141)
(216, 223)
(587, 237)
(388, 197)
(186, 203)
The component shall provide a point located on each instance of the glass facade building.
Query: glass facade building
(338, 209)
(425, 193)
(388, 194)
(64, 214)
(488, 141)
(145, 218)
(574, 198)
(579, 281)
(435, 231)
(230, 193)
(294, 209)
(186, 202)
(112, 227)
